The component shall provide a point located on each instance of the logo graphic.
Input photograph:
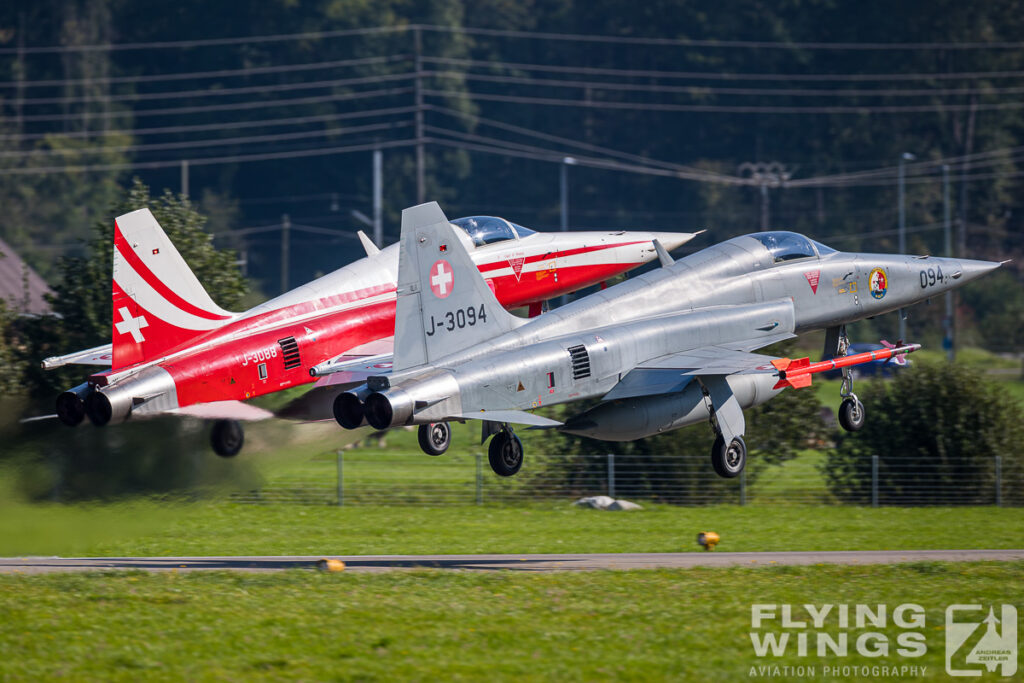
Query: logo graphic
(516, 261)
(878, 283)
(975, 642)
(812, 279)
(131, 325)
(442, 279)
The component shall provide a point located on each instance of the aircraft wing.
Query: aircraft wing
(224, 410)
(100, 355)
(671, 373)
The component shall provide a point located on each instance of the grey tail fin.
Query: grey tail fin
(444, 304)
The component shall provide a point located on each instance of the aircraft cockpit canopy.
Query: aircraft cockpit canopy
(789, 246)
(485, 230)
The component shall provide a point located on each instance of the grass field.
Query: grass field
(425, 625)
(236, 529)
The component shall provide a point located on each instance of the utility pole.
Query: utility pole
(421, 190)
(765, 175)
(286, 229)
(184, 177)
(947, 224)
(901, 183)
(378, 198)
(19, 93)
(563, 185)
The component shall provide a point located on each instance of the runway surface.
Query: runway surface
(529, 563)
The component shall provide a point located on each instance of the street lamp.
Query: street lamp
(901, 184)
(564, 178)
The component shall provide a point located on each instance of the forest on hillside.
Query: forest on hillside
(676, 115)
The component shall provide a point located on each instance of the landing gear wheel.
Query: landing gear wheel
(729, 461)
(227, 438)
(851, 414)
(435, 437)
(505, 453)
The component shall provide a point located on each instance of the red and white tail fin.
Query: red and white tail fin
(158, 301)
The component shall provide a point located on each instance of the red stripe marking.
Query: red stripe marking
(163, 290)
(497, 265)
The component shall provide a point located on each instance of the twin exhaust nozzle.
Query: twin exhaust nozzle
(381, 410)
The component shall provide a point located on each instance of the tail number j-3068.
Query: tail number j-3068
(457, 319)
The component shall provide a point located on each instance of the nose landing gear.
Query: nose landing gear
(851, 410)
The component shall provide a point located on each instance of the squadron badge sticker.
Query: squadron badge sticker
(878, 283)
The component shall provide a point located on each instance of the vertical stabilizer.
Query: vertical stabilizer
(444, 304)
(159, 303)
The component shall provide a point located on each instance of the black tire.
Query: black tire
(730, 460)
(851, 415)
(505, 454)
(227, 437)
(435, 437)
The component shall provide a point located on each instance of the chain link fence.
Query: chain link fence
(351, 478)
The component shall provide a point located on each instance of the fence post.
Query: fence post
(479, 478)
(999, 481)
(341, 478)
(611, 475)
(874, 481)
(743, 486)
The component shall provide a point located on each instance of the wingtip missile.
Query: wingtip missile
(797, 373)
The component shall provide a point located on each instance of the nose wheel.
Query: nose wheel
(851, 410)
(435, 437)
(729, 459)
(505, 453)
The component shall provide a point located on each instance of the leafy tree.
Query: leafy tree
(85, 462)
(82, 298)
(935, 429)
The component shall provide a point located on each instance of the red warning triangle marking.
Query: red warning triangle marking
(812, 279)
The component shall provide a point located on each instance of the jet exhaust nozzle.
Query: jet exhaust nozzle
(349, 411)
(101, 409)
(390, 409)
(71, 404)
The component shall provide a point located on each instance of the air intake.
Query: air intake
(580, 361)
(290, 352)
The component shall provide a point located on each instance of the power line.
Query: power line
(195, 75)
(756, 44)
(706, 75)
(235, 158)
(711, 90)
(203, 42)
(733, 109)
(500, 147)
(567, 141)
(211, 142)
(254, 104)
(534, 35)
(222, 92)
(227, 125)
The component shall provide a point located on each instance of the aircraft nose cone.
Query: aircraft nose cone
(673, 240)
(972, 270)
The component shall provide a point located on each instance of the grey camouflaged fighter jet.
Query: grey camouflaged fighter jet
(663, 350)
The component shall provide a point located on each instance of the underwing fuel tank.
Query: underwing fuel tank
(636, 418)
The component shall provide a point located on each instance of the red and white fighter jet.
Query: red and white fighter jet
(176, 351)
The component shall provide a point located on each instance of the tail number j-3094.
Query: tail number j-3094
(457, 319)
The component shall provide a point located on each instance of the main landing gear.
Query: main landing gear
(435, 437)
(505, 452)
(227, 437)
(851, 410)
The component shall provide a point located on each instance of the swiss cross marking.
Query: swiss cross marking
(131, 325)
(442, 279)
